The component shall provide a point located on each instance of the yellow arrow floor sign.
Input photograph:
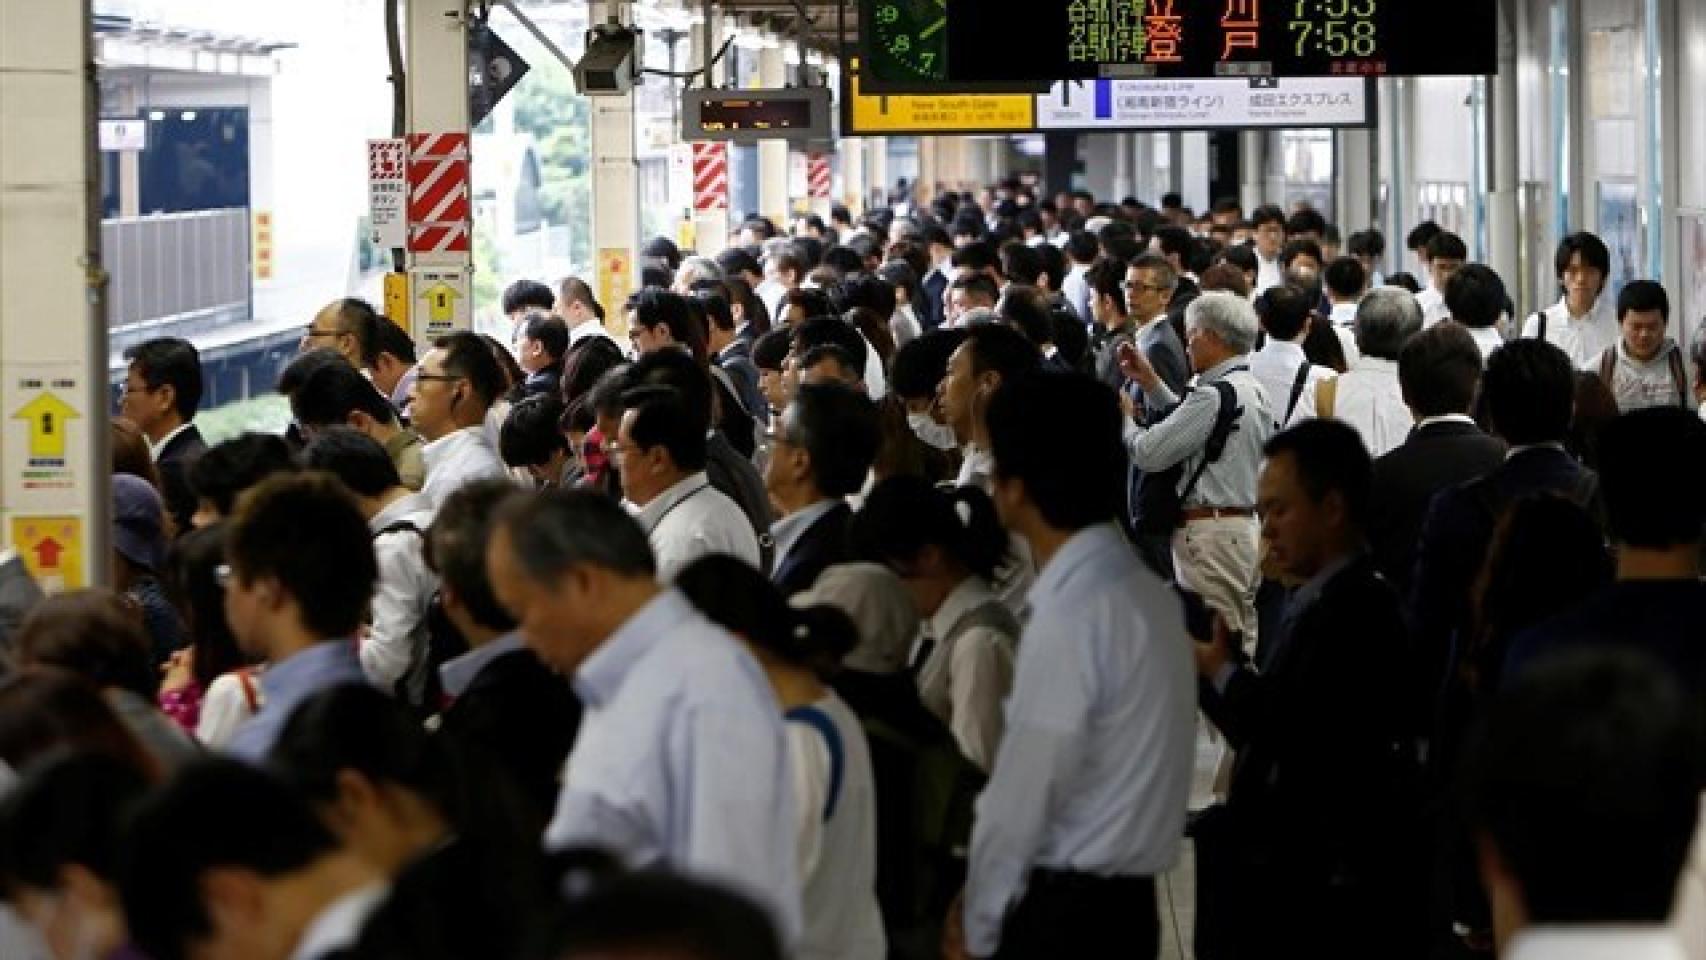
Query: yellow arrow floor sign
(439, 296)
(45, 418)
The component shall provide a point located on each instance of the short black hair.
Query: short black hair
(715, 305)
(225, 470)
(606, 395)
(468, 355)
(529, 295)
(210, 815)
(1285, 311)
(1119, 241)
(393, 339)
(331, 392)
(838, 428)
(831, 351)
(977, 284)
(1585, 778)
(664, 249)
(976, 256)
(921, 363)
(812, 302)
(1330, 457)
(1446, 245)
(1082, 247)
(1267, 213)
(1306, 221)
(1059, 434)
(771, 349)
(1650, 462)
(1642, 296)
(1026, 310)
(585, 363)
(553, 530)
(303, 365)
(1345, 277)
(1593, 251)
(1177, 242)
(170, 362)
(1475, 296)
(1054, 266)
(530, 434)
(305, 531)
(1020, 263)
(1366, 243)
(1421, 235)
(68, 810)
(455, 548)
(738, 260)
(679, 372)
(357, 318)
(1299, 248)
(1002, 350)
(818, 331)
(1106, 278)
(1439, 369)
(355, 458)
(1530, 391)
(661, 914)
(865, 290)
(662, 419)
(663, 308)
(551, 332)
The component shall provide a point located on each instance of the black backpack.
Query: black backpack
(1158, 503)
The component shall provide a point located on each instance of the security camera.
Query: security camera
(610, 66)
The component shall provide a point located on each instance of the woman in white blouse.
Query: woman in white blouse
(945, 546)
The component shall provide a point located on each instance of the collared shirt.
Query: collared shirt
(1433, 307)
(1076, 289)
(405, 450)
(589, 328)
(1094, 769)
(455, 675)
(1369, 398)
(682, 759)
(1275, 366)
(966, 682)
(786, 532)
(1585, 337)
(1594, 943)
(155, 449)
(1106, 343)
(402, 596)
(284, 685)
(405, 385)
(1487, 338)
(977, 469)
(1462, 418)
(1018, 569)
(338, 925)
(692, 519)
(1344, 317)
(1268, 274)
(458, 459)
(1183, 437)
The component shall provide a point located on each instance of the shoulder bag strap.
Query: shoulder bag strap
(1297, 386)
(820, 721)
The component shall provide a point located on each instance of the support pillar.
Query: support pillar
(710, 227)
(1353, 198)
(1193, 169)
(436, 98)
(615, 191)
(877, 182)
(54, 394)
(1504, 229)
(1252, 169)
(853, 183)
(773, 154)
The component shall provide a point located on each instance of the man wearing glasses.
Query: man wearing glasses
(162, 389)
(350, 326)
(459, 380)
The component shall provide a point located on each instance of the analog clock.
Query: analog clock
(907, 40)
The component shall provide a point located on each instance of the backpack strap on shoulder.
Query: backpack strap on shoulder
(821, 722)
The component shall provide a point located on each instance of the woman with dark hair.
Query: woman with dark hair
(585, 363)
(210, 688)
(945, 546)
(834, 791)
(905, 325)
(1322, 347)
(130, 452)
(875, 329)
(752, 319)
(46, 710)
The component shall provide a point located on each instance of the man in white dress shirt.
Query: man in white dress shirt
(1086, 804)
(1269, 224)
(660, 453)
(1368, 396)
(1475, 297)
(1446, 255)
(1281, 367)
(1345, 281)
(458, 383)
(682, 759)
(1583, 323)
(1584, 793)
(226, 861)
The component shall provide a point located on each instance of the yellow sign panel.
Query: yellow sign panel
(937, 112)
(615, 283)
(440, 302)
(45, 418)
(52, 550)
(397, 300)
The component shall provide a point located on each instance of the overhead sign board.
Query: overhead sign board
(1108, 105)
(923, 45)
(748, 116)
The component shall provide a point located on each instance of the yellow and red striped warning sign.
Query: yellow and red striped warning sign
(438, 193)
(818, 175)
(710, 176)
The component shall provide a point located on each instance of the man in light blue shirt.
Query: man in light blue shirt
(299, 578)
(1086, 804)
(682, 758)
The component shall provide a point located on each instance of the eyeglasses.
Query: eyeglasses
(1156, 287)
(222, 575)
(311, 333)
(445, 377)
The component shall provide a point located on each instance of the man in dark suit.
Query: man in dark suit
(931, 313)
(500, 698)
(1529, 394)
(1316, 851)
(162, 389)
(543, 343)
(824, 445)
(1181, 251)
(1438, 370)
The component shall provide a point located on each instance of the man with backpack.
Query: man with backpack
(1645, 368)
(1214, 436)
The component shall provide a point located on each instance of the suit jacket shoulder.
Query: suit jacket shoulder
(821, 545)
(524, 717)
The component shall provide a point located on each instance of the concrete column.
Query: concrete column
(877, 181)
(1252, 169)
(54, 491)
(130, 161)
(1193, 169)
(615, 190)
(1142, 149)
(1354, 181)
(710, 227)
(436, 55)
(853, 183)
(1124, 184)
(1504, 234)
(773, 200)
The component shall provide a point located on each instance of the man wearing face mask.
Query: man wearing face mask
(919, 368)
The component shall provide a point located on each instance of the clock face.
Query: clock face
(908, 39)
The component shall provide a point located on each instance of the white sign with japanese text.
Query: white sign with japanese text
(1201, 104)
(388, 191)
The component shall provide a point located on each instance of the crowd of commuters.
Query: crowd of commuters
(868, 592)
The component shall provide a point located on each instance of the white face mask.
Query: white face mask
(938, 435)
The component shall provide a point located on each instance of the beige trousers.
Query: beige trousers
(1218, 559)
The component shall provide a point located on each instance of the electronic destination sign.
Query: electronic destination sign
(1025, 45)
